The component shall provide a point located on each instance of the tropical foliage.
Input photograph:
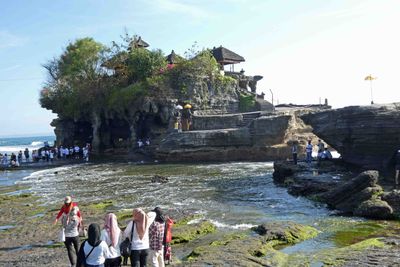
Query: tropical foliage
(91, 78)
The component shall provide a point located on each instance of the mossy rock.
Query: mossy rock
(101, 206)
(286, 232)
(188, 232)
(246, 249)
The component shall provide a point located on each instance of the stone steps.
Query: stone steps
(249, 117)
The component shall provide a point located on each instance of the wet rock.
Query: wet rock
(351, 194)
(287, 232)
(247, 249)
(374, 209)
(188, 232)
(393, 199)
(159, 179)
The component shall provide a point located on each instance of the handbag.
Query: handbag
(125, 246)
(82, 230)
(61, 235)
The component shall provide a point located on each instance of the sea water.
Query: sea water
(16, 144)
(232, 196)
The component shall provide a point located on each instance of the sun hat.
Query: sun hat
(67, 200)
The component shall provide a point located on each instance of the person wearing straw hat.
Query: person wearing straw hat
(186, 117)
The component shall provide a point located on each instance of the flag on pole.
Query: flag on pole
(370, 78)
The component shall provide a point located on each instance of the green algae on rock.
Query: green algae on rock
(188, 232)
(246, 249)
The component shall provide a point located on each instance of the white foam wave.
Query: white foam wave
(235, 226)
(37, 143)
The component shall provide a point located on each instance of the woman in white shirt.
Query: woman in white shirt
(139, 236)
(111, 234)
(93, 251)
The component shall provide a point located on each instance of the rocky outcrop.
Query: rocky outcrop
(263, 139)
(365, 136)
(360, 196)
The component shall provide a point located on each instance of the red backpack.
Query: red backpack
(167, 240)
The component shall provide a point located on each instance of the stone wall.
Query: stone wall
(217, 121)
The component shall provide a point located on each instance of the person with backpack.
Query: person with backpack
(71, 224)
(156, 233)
(112, 235)
(137, 231)
(93, 251)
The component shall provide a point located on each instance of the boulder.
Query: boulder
(374, 208)
(393, 199)
(349, 195)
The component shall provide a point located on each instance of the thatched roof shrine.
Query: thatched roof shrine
(225, 56)
(138, 43)
(173, 58)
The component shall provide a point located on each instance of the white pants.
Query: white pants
(157, 258)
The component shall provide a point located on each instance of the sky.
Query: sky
(305, 50)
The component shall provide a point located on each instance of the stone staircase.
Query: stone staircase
(249, 117)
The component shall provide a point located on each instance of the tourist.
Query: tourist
(321, 146)
(93, 251)
(111, 234)
(85, 153)
(20, 156)
(326, 155)
(26, 154)
(294, 153)
(43, 154)
(66, 208)
(140, 143)
(13, 160)
(76, 151)
(139, 236)
(5, 159)
(71, 224)
(309, 149)
(186, 118)
(397, 168)
(156, 234)
(147, 141)
(51, 155)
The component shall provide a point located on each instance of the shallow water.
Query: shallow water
(230, 195)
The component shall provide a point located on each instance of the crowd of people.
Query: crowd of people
(45, 154)
(147, 235)
(322, 154)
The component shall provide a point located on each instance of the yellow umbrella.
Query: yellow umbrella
(188, 106)
(370, 78)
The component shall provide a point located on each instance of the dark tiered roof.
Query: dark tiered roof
(173, 58)
(225, 56)
(138, 43)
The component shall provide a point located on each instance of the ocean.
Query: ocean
(15, 144)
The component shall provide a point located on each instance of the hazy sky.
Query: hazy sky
(306, 50)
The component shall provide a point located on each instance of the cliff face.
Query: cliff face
(366, 136)
(150, 117)
(250, 136)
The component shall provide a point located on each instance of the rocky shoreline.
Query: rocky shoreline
(365, 195)
(29, 238)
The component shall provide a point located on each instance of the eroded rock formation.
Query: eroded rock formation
(366, 136)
